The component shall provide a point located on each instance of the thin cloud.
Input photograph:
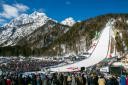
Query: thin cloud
(21, 7)
(42, 10)
(11, 11)
(39, 10)
(2, 20)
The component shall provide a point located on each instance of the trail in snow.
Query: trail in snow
(97, 56)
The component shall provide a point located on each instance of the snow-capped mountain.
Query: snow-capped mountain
(68, 21)
(35, 17)
(27, 28)
(22, 26)
(38, 34)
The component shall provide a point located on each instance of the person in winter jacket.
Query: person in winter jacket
(69, 79)
(114, 81)
(84, 79)
(95, 80)
(122, 80)
(127, 80)
(73, 80)
(108, 81)
(3, 81)
(101, 81)
(8, 81)
(88, 80)
(65, 80)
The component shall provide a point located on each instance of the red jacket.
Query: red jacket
(8, 82)
(127, 81)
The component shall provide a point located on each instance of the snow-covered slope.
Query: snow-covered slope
(68, 21)
(21, 26)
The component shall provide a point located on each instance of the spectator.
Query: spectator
(122, 80)
(101, 81)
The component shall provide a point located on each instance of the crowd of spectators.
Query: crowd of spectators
(78, 78)
(26, 65)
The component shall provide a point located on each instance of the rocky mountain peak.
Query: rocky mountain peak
(68, 21)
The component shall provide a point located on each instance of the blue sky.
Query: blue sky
(61, 9)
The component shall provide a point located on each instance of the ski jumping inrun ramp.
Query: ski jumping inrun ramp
(100, 52)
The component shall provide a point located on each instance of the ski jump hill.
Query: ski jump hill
(100, 52)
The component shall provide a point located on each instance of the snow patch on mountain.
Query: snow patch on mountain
(68, 21)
